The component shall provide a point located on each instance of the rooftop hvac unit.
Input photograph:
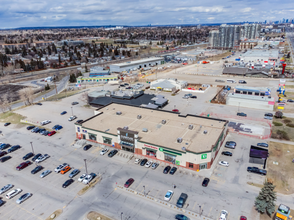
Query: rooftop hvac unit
(179, 140)
(126, 127)
(118, 113)
(163, 122)
(145, 130)
(183, 148)
(191, 127)
(205, 132)
(139, 116)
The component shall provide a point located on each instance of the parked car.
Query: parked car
(67, 183)
(65, 170)
(71, 118)
(129, 182)
(39, 103)
(269, 114)
(52, 133)
(104, 151)
(60, 167)
(79, 121)
(243, 218)
(154, 166)
(193, 97)
(112, 153)
(6, 188)
(74, 173)
(28, 155)
(45, 122)
(168, 195)
(42, 158)
(262, 145)
(36, 169)
(23, 165)
(4, 146)
(82, 177)
(227, 153)
(223, 163)
(74, 103)
(63, 113)
(45, 133)
(23, 198)
(242, 114)
(31, 127)
(55, 126)
(137, 161)
(242, 82)
(36, 157)
(290, 100)
(175, 110)
(231, 144)
(89, 178)
(13, 148)
(13, 193)
(181, 201)
(3, 159)
(58, 128)
(181, 217)
(205, 182)
(35, 130)
(2, 202)
(223, 215)
(2, 153)
(45, 173)
(256, 170)
(42, 131)
(173, 170)
(148, 164)
(166, 169)
(7, 123)
(268, 117)
(87, 147)
(143, 162)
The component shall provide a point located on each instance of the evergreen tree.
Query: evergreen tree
(47, 87)
(265, 201)
(7, 51)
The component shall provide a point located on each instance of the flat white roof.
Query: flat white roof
(137, 62)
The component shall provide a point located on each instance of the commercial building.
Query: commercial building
(244, 71)
(137, 64)
(86, 78)
(260, 56)
(188, 141)
(170, 85)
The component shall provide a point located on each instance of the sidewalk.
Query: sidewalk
(281, 141)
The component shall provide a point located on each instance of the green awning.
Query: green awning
(171, 152)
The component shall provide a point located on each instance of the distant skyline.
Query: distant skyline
(36, 13)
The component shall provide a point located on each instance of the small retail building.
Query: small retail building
(188, 141)
(169, 85)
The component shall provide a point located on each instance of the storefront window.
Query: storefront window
(191, 165)
(170, 158)
(151, 153)
(92, 137)
(107, 140)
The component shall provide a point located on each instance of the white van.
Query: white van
(231, 81)
(13, 193)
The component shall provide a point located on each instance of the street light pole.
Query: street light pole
(86, 166)
(71, 111)
(144, 191)
(32, 147)
(121, 215)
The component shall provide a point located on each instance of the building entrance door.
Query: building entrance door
(203, 166)
(84, 136)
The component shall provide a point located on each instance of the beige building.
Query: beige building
(188, 141)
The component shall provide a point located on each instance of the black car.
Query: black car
(42, 130)
(13, 148)
(36, 130)
(2, 153)
(67, 183)
(45, 133)
(87, 147)
(31, 127)
(242, 114)
(4, 146)
(182, 199)
(7, 123)
(28, 155)
(173, 170)
(262, 144)
(290, 100)
(166, 169)
(3, 159)
(37, 169)
(38, 103)
(181, 217)
(227, 153)
(269, 114)
(74, 103)
(193, 97)
(79, 121)
(256, 170)
(143, 162)
(205, 182)
(112, 153)
(36, 157)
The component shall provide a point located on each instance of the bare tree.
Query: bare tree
(9, 70)
(27, 95)
(5, 103)
(84, 97)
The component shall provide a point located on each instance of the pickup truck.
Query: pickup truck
(256, 170)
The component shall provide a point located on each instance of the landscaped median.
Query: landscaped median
(97, 216)
(91, 185)
(163, 203)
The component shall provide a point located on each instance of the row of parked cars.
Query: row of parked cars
(13, 193)
(154, 165)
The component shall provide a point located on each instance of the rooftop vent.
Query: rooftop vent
(183, 148)
(126, 127)
(118, 113)
(205, 132)
(139, 116)
(179, 140)
(191, 127)
(163, 122)
(145, 130)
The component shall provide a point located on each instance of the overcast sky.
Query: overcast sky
(34, 13)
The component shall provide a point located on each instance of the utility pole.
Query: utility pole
(32, 147)
(71, 111)
(121, 214)
(144, 191)
(86, 166)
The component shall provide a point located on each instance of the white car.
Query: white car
(82, 177)
(104, 151)
(168, 195)
(154, 165)
(87, 179)
(13, 193)
(6, 188)
(60, 167)
(223, 215)
(45, 122)
(223, 163)
(45, 173)
(71, 118)
(137, 161)
(42, 158)
(148, 164)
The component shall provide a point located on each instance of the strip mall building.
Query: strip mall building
(188, 141)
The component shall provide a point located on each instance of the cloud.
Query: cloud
(248, 9)
(211, 18)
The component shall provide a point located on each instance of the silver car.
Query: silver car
(74, 173)
(154, 166)
(42, 158)
(6, 188)
(45, 173)
(23, 198)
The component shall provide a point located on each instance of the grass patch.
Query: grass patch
(283, 129)
(87, 106)
(95, 215)
(11, 117)
(289, 86)
(290, 125)
(289, 95)
(91, 185)
(62, 95)
(277, 123)
(56, 213)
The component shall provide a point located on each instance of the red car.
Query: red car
(2, 153)
(23, 165)
(243, 218)
(175, 110)
(51, 133)
(129, 182)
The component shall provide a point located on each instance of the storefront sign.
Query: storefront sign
(127, 136)
(203, 156)
(149, 146)
(161, 149)
(177, 162)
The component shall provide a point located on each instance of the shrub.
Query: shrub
(286, 121)
(47, 87)
(277, 123)
(279, 114)
(290, 125)
(283, 135)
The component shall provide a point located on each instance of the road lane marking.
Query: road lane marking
(194, 205)
(28, 212)
(209, 211)
(137, 186)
